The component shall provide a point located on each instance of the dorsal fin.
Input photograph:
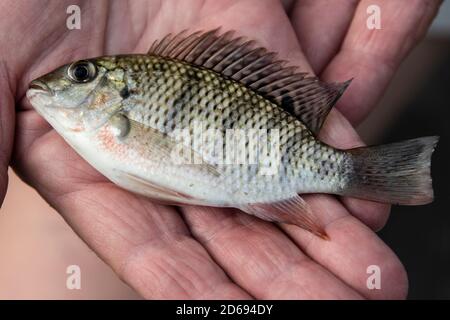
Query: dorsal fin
(305, 97)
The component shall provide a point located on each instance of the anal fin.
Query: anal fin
(292, 211)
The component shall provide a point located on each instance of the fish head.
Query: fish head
(80, 96)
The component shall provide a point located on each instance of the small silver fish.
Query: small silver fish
(208, 119)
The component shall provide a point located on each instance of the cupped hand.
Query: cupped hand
(199, 252)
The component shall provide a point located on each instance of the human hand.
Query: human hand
(191, 252)
(337, 43)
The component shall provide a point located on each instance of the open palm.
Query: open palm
(190, 252)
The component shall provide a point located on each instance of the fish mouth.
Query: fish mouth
(40, 87)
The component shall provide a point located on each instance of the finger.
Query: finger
(6, 128)
(269, 25)
(338, 132)
(320, 26)
(373, 214)
(260, 258)
(230, 248)
(30, 126)
(277, 34)
(288, 5)
(371, 56)
(147, 245)
(352, 251)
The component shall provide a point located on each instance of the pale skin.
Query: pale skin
(195, 252)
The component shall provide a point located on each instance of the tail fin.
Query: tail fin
(397, 173)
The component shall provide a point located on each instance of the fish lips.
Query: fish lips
(39, 87)
(40, 95)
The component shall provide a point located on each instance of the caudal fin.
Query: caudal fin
(397, 173)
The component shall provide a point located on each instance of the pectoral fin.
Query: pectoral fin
(163, 148)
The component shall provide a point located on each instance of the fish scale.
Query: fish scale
(202, 93)
(126, 116)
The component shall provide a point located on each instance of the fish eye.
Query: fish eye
(82, 71)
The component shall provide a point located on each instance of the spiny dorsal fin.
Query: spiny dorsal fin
(305, 97)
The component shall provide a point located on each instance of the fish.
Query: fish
(212, 119)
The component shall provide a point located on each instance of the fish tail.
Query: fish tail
(397, 173)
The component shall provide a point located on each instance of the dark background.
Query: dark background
(418, 104)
